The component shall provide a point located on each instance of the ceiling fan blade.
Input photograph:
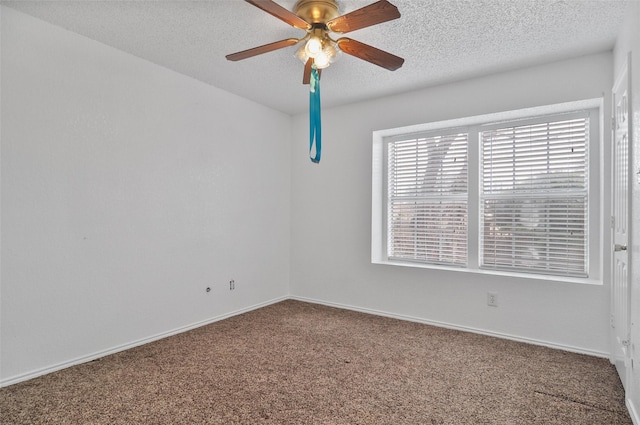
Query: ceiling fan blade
(262, 49)
(370, 54)
(281, 13)
(376, 13)
(306, 77)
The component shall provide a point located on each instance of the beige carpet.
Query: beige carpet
(299, 363)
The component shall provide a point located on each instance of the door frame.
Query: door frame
(622, 80)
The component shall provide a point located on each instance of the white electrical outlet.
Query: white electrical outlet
(492, 299)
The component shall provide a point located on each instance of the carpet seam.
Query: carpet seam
(584, 403)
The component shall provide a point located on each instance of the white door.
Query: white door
(620, 211)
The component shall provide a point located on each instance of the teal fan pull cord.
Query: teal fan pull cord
(315, 124)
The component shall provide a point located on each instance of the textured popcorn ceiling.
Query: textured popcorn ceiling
(441, 41)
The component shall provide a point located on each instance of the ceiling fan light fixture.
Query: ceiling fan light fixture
(328, 55)
(331, 50)
(301, 54)
(321, 61)
(314, 46)
(324, 54)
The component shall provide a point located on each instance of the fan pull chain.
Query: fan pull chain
(315, 124)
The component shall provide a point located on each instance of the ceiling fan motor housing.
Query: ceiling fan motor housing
(316, 11)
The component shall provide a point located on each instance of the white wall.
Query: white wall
(127, 189)
(331, 216)
(629, 41)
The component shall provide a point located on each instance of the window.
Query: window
(496, 194)
(534, 198)
(428, 199)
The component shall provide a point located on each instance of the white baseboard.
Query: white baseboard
(632, 412)
(84, 359)
(548, 344)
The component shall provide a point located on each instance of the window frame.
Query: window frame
(474, 125)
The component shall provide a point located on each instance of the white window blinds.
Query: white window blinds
(534, 197)
(427, 199)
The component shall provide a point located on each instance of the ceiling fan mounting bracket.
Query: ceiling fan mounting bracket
(316, 11)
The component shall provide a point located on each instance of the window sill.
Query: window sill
(527, 276)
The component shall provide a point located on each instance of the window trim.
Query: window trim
(596, 185)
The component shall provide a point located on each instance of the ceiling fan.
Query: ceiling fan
(319, 18)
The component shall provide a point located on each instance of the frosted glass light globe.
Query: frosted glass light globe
(313, 47)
